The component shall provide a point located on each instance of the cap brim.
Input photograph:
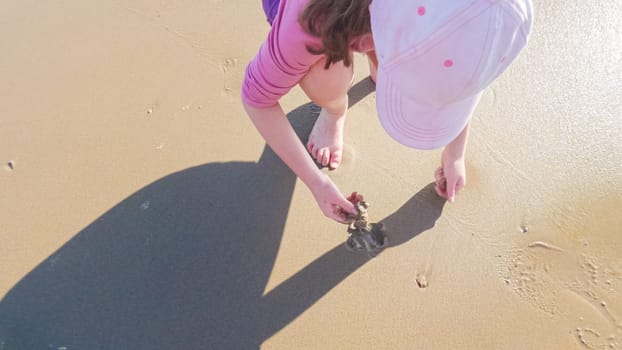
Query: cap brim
(418, 125)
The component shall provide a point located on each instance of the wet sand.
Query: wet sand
(141, 210)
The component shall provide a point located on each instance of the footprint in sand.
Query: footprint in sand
(530, 273)
(598, 330)
(228, 64)
(570, 282)
(232, 75)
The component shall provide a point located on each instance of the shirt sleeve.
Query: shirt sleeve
(282, 60)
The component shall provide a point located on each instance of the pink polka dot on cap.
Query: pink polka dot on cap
(421, 10)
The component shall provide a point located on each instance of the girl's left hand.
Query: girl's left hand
(450, 177)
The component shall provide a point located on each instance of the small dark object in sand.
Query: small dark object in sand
(10, 165)
(422, 281)
(365, 236)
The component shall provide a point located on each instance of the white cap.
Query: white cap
(435, 57)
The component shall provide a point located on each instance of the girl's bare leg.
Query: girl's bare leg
(328, 88)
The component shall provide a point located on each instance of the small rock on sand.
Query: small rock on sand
(422, 281)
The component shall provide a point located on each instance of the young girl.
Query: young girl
(430, 59)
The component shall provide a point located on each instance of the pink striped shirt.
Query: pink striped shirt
(282, 59)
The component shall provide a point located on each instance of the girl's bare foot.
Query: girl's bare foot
(326, 139)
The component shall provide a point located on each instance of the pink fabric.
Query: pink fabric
(435, 57)
(282, 59)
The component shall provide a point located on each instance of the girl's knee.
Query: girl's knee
(327, 86)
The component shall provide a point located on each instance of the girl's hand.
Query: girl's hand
(332, 203)
(450, 176)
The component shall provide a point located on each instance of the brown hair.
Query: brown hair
(336, 23)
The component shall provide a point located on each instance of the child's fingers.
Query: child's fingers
(439, 173)
(442, 183)
(441, 188)
(440, 191)
(459, 186)
(346, 205)
(453, 187)
(451, 193)
(340, 215)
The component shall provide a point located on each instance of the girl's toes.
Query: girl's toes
(310, 147)
(335, 160)
(315, 153)
(324, 156)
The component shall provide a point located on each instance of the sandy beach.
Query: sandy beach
(140, 209)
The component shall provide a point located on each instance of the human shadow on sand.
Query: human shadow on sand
(183, 263)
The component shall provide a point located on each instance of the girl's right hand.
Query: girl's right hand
(331, 201)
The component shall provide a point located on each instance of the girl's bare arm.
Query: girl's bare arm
(281, 137)
(453, 172)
